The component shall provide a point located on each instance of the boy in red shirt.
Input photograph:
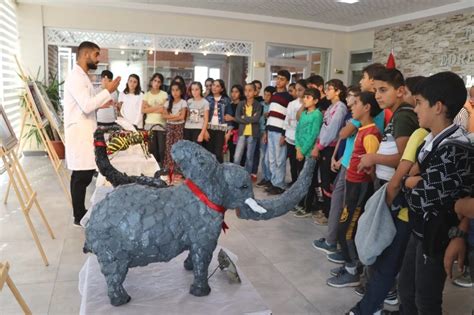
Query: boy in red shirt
(359, 187)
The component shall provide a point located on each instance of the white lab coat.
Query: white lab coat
(80, 105)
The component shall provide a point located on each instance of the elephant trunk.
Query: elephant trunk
(280, 205)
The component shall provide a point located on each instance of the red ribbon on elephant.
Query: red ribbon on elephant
(202, 196)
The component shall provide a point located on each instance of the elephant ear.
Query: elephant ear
(194, 161)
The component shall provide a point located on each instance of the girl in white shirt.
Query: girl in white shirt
(130, 101)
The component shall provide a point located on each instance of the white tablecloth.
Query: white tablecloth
(133, 162)
(163, 288)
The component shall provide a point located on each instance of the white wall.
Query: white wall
(36, 17)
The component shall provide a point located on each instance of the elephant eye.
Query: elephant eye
(244, 187)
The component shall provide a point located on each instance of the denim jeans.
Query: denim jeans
(385, 269)
(276, 159)
(244, 142)
(264, 163)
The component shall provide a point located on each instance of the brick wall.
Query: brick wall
(438, 44)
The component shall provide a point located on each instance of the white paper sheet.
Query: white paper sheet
(163, 288)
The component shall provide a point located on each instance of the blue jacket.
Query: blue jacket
(224, 108)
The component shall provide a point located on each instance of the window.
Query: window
(9, 80)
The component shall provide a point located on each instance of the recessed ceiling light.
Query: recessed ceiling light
(348, 1)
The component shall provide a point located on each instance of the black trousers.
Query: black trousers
(421, 281)
(216, 144)
(192, 135)
(158, 145)
(295, 165)
(79, 182)
(327, 178)
(355, 198)
(308, 201)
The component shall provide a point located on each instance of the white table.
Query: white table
(163, 288)
(133, 162)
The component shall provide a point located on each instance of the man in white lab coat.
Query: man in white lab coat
(80, 105)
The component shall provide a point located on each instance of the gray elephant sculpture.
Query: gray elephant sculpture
(143, 221)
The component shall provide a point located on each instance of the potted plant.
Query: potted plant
(51, 87)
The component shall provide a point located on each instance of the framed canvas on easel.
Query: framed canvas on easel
(35, 112)
(25, 194)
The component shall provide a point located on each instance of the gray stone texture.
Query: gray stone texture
(430, 46)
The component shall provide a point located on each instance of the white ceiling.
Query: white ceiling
(325, 14)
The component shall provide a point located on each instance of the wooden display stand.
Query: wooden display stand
(5, 278)
(31, 114)
(26, 196)
(60, 171)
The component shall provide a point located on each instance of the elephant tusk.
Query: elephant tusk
(255, 206)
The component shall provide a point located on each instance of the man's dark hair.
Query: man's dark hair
(315, 93)
(257, 82)
(316, 80)
(355, 89)
(392, 77)
(252, 85)
(369, 98)
(413, 84)
(284, 73)
(303, 83)
(292, 85)
(85, 46)
(447, 88)
(373, 69)
(107, 74)
(269, 89)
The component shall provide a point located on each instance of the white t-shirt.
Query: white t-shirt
(108, 115)
(132, 108)
(175, 110)
(290, 120)
(196, 110)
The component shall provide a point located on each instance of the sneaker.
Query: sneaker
(343, 280)
(321, 221)
(264, 183)
(302, 214)
(275, 190)
(318, 214)
(297, 208)
(323, 246)
(391, 298)
(337, 271)
(336, 258)
(464, 280)
(360, 290)
(77, 223)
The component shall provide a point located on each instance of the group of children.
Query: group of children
(408, 137)
(392, 135)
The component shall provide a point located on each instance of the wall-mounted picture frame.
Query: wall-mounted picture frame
(32, 95)
(7, 134)
(49, 111)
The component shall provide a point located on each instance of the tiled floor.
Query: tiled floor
(275, 255)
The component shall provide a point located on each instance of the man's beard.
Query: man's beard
(91, 65)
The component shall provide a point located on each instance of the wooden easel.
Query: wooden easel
(30, 114)
(5, 278)
(60, 171)
(25, 194)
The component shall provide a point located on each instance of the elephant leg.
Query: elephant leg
(188, 263)
(201, 258)
(115, 272)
